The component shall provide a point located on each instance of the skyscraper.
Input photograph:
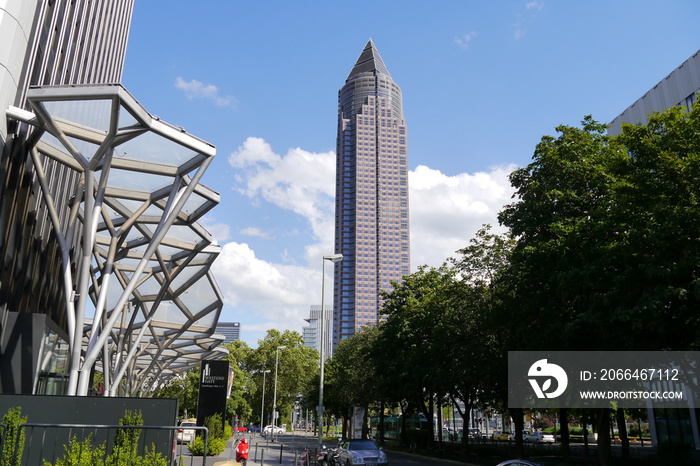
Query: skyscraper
(230, 330)
(312, 332)
(371, 206)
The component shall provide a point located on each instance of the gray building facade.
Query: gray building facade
(680, 87)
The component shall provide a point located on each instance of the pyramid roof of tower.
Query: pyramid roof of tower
(369, 60)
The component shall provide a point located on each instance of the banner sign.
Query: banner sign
(213, 390)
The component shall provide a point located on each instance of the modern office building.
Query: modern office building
(99, 203)
(311, 332)
(680, 87)
(230, 330)
(371, 206)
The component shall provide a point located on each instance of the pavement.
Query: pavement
(284, 449)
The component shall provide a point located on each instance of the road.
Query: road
(288, 447)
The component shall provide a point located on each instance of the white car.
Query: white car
(273, 430)
(362, 453)
(533, 437)
(186, 435)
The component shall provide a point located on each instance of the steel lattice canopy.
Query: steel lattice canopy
(138, 198)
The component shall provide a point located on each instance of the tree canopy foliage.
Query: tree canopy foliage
(296, 368)
(601, 252)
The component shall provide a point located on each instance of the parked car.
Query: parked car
(186, 435)
(548, 438)
(273, 430)
(526, 433)
(549, 461)
(500, 436)
(253, 428)
(534, 437)
(362, 452)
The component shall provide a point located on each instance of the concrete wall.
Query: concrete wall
(16, 19)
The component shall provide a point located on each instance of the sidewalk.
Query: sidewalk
(263, 451)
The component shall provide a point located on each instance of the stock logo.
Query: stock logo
(544, 372)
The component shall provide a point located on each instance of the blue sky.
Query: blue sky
(482, 82)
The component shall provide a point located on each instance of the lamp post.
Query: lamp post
(274, 399)
(262, 406)
(322, 324)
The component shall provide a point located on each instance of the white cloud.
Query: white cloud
(465, 40)
(521, 21)
(445, 212)
(256, 232)
(220, 231)
(196, 89)
(535, 4)
(302, 182)
(277, 293)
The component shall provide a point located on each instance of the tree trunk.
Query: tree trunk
(402, 436)
(380, 426)
(439, 423)
(622, 429)
(564, 429)
(584, 420)
(517, 415)
(603, 422)
(431, 416)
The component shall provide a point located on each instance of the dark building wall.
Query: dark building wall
(87, 410)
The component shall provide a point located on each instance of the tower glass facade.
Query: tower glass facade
(371, 211)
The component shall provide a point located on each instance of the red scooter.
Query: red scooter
(242, 452)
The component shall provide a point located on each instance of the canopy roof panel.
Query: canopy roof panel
(138, 199)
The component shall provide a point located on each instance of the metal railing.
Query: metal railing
(50, 442)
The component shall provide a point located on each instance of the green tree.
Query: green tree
(351, 377)
(414, 312)
(478, 364)
(296, 369)
(243, 388)
(606, 255)
(185, 388)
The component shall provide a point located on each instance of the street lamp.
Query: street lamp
(274, 399)
(333, 258)
(262, 407)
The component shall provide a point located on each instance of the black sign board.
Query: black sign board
(213, 390)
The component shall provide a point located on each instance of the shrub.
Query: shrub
(124, 451)
(216, 446)
(14, 437)
(81, 453)
(215, 426)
